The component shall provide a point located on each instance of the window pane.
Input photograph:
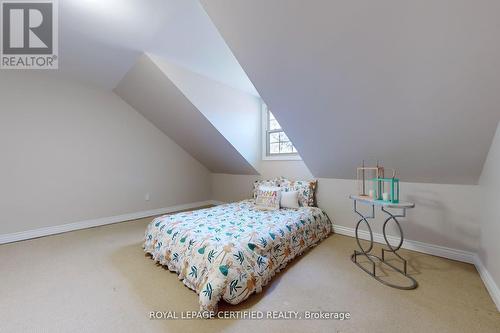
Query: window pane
(274, 148)
(273, 123)
(274, 137)
(286, 148)
(278, 142)
(283, 137)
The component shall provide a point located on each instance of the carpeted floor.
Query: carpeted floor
(99, 280)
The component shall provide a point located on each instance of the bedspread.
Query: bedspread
(231, 251)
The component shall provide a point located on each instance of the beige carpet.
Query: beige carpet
(99, 280)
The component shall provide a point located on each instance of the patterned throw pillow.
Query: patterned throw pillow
(268, 198)
(306, 189)
(259, 183)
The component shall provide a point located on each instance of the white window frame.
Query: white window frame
(265, 141)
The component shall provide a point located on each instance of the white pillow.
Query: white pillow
(289, 199)
(268, 198)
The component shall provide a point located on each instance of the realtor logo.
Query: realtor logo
(29, 34)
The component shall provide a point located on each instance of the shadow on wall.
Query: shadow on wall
(442, 225)
(444, 215)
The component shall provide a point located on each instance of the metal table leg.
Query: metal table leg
(390, 248)
(364, 252)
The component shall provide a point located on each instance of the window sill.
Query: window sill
(282, 158)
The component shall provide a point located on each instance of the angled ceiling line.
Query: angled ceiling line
(359, 80)
(149, 91)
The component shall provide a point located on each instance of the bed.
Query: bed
(231, 251)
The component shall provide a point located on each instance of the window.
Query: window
(277, 145)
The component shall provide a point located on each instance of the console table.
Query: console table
(384, 207)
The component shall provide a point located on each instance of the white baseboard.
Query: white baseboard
(436, 250)
(432, 249)
(58, 229)
(490, 284)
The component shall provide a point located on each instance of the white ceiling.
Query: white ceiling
(100, 40)
(412, 83)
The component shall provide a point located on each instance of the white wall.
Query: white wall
(489, 183)
(229, 188)
(445, 215)
(69, 152)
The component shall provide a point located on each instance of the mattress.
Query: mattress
(231, 251)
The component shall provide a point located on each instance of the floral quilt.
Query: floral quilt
(233, 250)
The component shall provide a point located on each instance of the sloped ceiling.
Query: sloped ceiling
(414, 84)
(235, 114)
(102, 43)
(99, 41)
(147, 89)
